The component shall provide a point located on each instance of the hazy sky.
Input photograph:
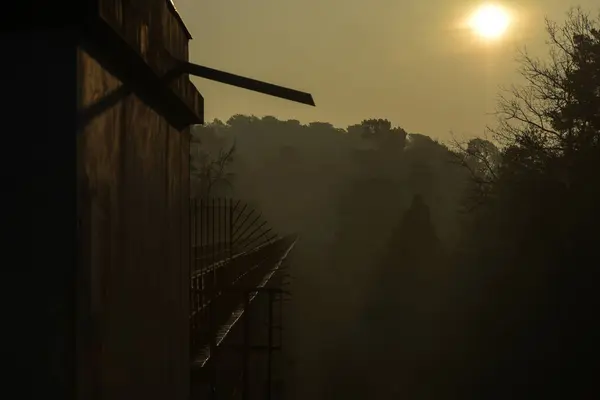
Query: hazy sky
(407, 61)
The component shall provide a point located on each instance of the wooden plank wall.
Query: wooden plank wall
(153, 30)
(133, 179)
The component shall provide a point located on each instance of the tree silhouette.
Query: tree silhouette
(532, 236)
(414, 241)
(211, 160)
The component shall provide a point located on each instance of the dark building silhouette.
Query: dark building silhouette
(110, 189)
(106, 192)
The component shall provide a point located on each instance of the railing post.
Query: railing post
(204, 227)
(213, 350)
(246, 348)
(270, 344)
(212, 245)
(194, 295)
(217, 250)
(230, 239)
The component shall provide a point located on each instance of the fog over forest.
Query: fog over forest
(434, 270)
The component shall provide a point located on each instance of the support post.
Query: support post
(246, 350)
(213, 350)
(270, 345)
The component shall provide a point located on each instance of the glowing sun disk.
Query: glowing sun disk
(489, 21)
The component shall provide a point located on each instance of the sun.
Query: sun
(490, 21)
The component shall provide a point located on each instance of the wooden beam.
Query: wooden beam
(247, 83)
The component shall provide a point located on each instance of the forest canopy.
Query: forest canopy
(512, 219)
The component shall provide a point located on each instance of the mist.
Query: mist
(428, 269)
(345, 192)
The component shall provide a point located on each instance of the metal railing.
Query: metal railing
(234, 256)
